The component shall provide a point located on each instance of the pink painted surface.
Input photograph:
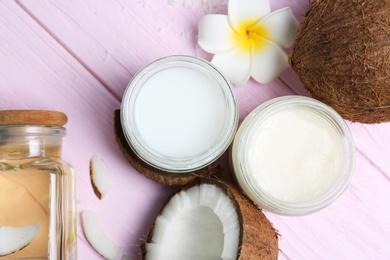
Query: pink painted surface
(77, 56)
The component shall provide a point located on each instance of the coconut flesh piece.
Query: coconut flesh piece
(211, 219)
(13, 239)
(198, 223)
(100, 180)
(97, 238)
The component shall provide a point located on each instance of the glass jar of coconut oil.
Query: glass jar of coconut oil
(37, 190)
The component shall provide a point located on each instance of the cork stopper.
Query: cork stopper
(32, 117)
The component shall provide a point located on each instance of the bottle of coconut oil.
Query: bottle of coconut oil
(37, 190)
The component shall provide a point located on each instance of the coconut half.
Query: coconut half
(14, 239)
(97, 238)
(100, 180)
(163, 177)
(210, 219)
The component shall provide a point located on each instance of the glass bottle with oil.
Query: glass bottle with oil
(37, 188)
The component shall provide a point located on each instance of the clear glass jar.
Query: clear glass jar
(293, 155)
(179, 114)
(37, 188)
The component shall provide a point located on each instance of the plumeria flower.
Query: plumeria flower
(249, 41)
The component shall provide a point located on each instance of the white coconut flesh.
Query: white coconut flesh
(14, 239)
(99, 177)
(97, 237)
(197, 223)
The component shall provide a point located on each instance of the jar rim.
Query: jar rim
(35, 130)
(338, 124)
(171, 163)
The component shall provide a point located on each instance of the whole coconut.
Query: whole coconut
(342, 56)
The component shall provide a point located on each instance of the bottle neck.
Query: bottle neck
(18, 142)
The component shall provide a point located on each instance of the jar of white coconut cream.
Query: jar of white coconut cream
(179, 114)
(293, 155)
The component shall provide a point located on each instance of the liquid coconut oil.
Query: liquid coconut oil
(293, 155)
(37, 208)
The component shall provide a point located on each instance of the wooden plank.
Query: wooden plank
(113, 35)
(374, 142)
(119, 38)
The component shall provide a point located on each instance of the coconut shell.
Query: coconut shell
(258, 238)
(342, 56)
(163, 177)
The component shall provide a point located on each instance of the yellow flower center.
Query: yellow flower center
(250, 36)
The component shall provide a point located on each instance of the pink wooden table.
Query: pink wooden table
(77, 56)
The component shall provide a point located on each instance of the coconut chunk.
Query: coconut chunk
(197, 223)
(97, 238)
(100, 180)
(13, 239)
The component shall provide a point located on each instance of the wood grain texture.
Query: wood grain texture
(32, 117)
(78, 56)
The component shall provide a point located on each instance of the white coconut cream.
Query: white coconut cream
(179, 114)
(293, 155)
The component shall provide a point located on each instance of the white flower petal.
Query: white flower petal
(235, 65)
(215, 34)
(247, 11)
(281, 27)
(268, 62)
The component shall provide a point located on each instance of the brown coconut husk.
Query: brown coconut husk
(258, 238)
(342, 56)
(163, 177)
